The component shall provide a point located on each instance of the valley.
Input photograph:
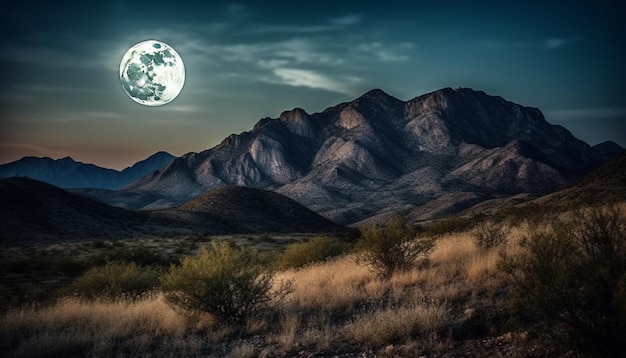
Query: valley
(331, 236)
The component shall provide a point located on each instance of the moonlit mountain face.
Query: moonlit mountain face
(152, 73)
(376, 156)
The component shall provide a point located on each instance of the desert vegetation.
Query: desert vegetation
(485, 286)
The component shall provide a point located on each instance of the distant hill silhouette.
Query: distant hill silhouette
(68, 173)
(243, 209)
(35, 212)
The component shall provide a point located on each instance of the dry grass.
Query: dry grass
(392, 325)
(243, 350)
(337, 285)
(334, 302)
(75, 325)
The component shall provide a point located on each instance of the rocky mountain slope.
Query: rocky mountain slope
(68, 173)
(376, 155)
(603, 186)
(36, 212)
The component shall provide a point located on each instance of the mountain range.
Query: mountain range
(68, 173)
(376, 156)
(367, 159)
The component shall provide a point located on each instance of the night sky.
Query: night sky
(60, 94)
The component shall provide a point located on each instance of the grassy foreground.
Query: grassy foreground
(456, 302)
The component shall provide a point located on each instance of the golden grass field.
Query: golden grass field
(336, 307)
(332, 302)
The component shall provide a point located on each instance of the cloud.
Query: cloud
(81, 54)
(103, 115)
(334, 24)
(39, 88)
(332, 63)
(181, 108)
(550, 44)
(385, 53)
(312, 79)
(586, 114)
(236, 11)
(556, 43)
(346, 20)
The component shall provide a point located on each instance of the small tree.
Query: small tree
(392, 248)
(317, 249)
(226, 281)
(490, 234)
(574, 276)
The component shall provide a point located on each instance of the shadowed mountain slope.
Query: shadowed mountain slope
(603, 186)
(34, 211)
(239, 209)
(37, 211)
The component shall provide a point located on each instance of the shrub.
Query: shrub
(141, 255)
(115, 279)
(224, 280)
(316, 249)
(574, 276)
(392, 248)
(449, 225)
(490, 234)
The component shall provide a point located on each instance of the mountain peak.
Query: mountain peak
(296, 115)
(66, 160)
(376, 94)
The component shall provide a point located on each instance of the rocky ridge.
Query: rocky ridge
(376, 156)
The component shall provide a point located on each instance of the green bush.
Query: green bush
(224, 280)
(314, 250)
(116, 279)
(392, 248)
(574, 277)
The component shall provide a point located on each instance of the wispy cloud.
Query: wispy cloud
(552, 43)
(314, 62)
(334, 24)
(312, 79)
(35, 88)
(314, 54)
(181, 108)
(386, 53)
(104, 115)
(586, 113)
(556, 43)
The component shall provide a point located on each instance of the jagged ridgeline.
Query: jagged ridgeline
(363, 160)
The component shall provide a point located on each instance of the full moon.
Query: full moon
(152, 73)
